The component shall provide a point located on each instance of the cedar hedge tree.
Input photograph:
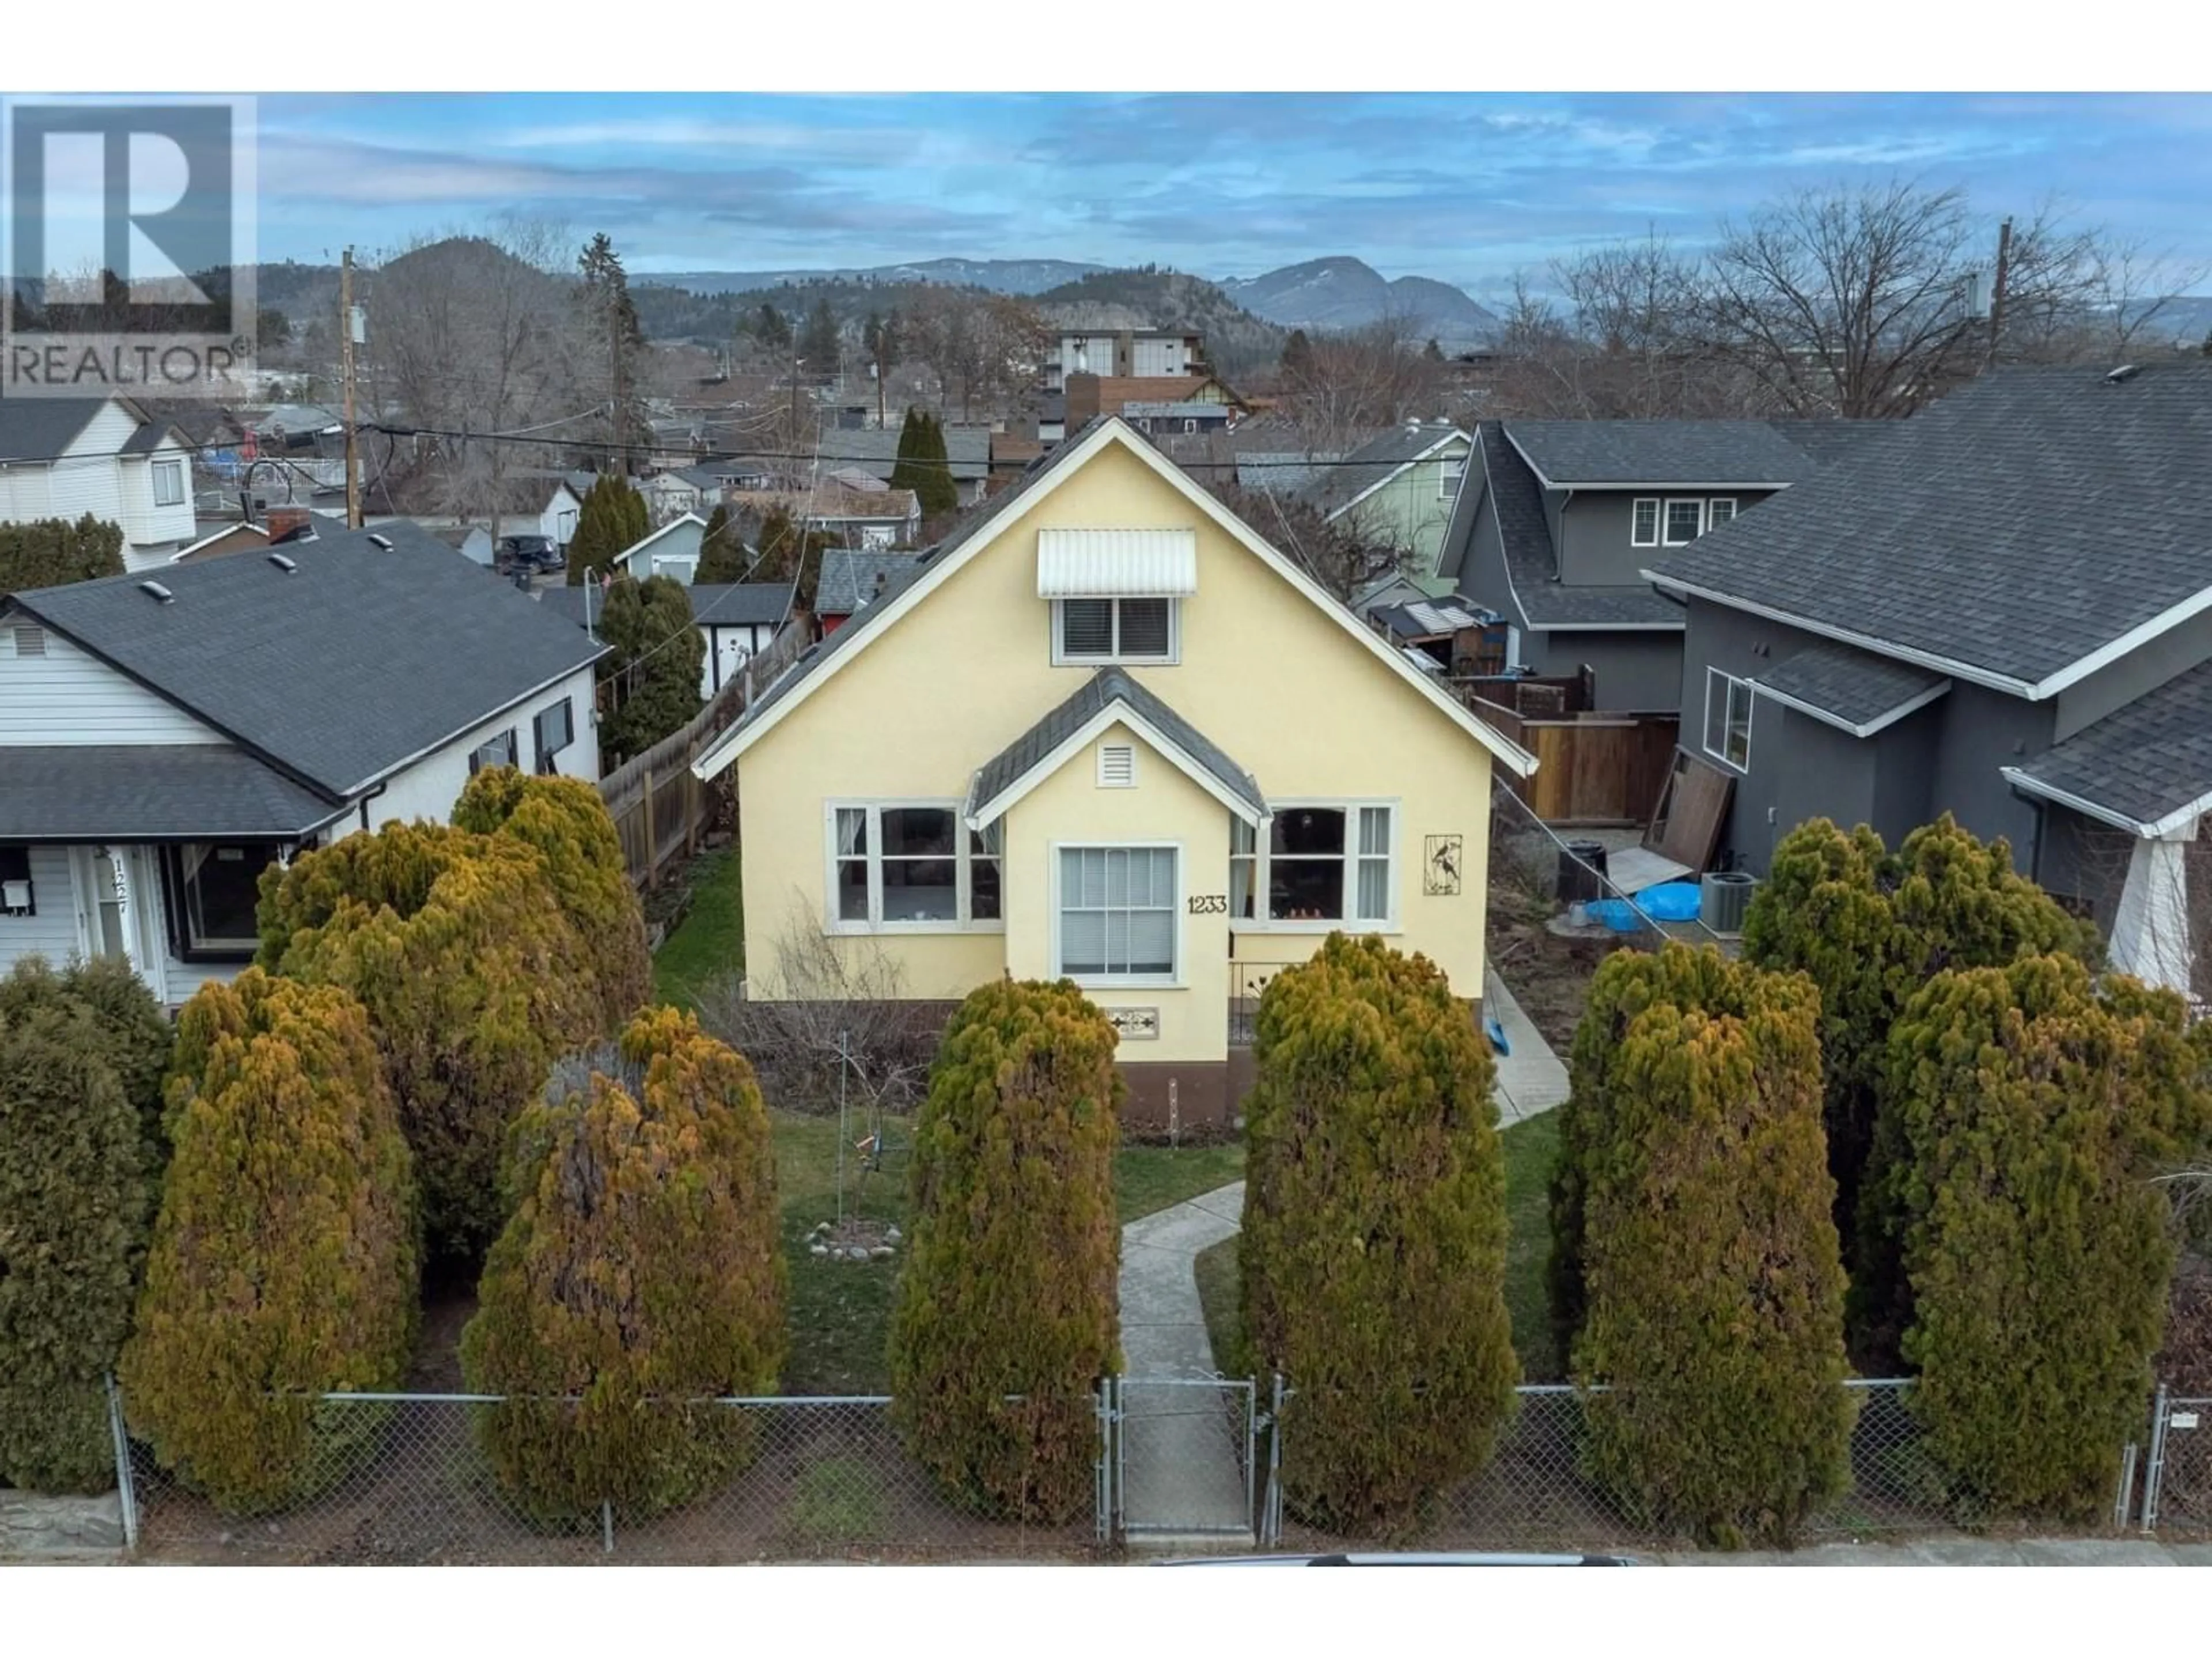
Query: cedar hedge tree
(1711, 1326)
(612, 520)
(2031, 1111)
(135, 1034)
(1871, 928)
(638, 1278)
(1373, 1250)
(1006, 1311)
(654, 666)
(567, 820)
(721, 553)
(73, 1205)
(283, 1261)
(923, 466)
(53, 552)
(474, 980)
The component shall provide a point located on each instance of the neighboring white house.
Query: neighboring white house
(163, 741)
(556, 520)
(671, 495)
(735, 619)
(62, 457)
(1146, 353)
(671, 551)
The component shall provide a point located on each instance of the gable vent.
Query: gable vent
(30, 639)
(1117, 766)
(154, 590)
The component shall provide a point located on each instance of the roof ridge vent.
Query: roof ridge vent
(381, 543)
(282, 563)
(2125, 372)
(156, 591)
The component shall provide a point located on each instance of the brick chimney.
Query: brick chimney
(1082, 395)
(284, 523)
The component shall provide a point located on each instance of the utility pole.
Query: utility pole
(1997, 286)
(619, 377)
(349, 323)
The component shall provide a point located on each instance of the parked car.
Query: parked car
(529, 553)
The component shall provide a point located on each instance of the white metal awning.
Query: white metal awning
(1078, 564)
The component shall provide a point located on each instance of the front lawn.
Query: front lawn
(1529, 1149)
(709, 942)
(1149, 1178)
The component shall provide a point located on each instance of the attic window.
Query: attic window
(1117, 766)
(30, 639)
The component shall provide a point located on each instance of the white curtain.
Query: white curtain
(1243, 846)
(1372, 901)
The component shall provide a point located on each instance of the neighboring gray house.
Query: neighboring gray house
(165, 738)
(852, 576)
(2001, 609)
(736, 620)
(1556, 519)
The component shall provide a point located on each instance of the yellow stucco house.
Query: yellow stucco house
(1106, 731)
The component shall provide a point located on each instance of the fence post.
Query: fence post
(652, 841)
(2157, 1463)
(607, 1526)
(126, 1494)
(1271, 1507)
(1102, 1401)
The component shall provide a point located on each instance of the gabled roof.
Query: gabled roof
(1704, 454)
(2021, 533)
(43, 429)
(1110, 696)
(183, 792)
(357, 660)
(1855, 691)
(1524, 534)
(1343, 484)
(850, 575)
(645, 541)
(2145, 768)
(972, 533)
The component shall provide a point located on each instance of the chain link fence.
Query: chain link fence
(1539, 1493)
(415, 1480)
(2178, 1484)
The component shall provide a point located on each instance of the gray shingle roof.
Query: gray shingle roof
(42, 429)
(1286, 471)
(355, 660)
(2144, 762)
(1857, 688)
(1386, 452)
(196, 791)
(1108, 687)
(1662, 452)
(849, 577)
(2015, 527)
(875, 451)
(1526, 536)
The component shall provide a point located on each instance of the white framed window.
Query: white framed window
(499, 752)
(1326, 864)
(169, 483)
(909, 866)
(1643, 521)
(1448, 479)
(1685, 522)
(1728, 719)
(1133, 631)
(213, 892)
(552, 729)
(1719, 510)
(1117, 912)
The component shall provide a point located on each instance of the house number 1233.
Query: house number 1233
(1209, 904)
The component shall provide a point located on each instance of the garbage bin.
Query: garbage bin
(1581, 865)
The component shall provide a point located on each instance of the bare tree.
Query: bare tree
(837, 1015)
(1348, 385)
(475, 335)
(1345, 555)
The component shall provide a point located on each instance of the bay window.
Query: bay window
(214, 891)
(1117, 913)
(909, 865)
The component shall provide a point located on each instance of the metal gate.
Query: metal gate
(1184, 1464)
(2178, 1477)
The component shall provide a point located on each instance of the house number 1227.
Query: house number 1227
(1209, 904)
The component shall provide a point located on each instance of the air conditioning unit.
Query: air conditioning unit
(1724, 898)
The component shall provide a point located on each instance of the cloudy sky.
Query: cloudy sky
(1463, 187)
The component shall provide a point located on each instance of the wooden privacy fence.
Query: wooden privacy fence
(659, 808)
(1591, 768)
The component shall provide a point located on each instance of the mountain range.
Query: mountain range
(1334, 293)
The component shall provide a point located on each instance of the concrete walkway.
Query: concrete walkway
(1530, 1079)
(1183, 1476)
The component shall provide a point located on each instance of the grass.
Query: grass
(1148, 1178)
(710, 941)
(836, 1500)
(1529, 1149)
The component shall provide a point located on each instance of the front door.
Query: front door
(117, 907)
